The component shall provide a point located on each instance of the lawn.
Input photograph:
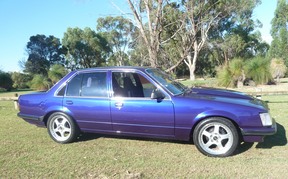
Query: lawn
(27, 152)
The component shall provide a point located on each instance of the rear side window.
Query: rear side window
(94, 84)
(88, 85)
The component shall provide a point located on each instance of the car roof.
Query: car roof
(115, 68)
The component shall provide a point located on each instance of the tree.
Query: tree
(118, 32)
(86, 48)
(36, 64)
(151, 35)
(199, 17)
(42, 52)
(279, 32)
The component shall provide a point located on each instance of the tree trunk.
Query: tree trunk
(191, 70)
(153, 58)
(191, 63)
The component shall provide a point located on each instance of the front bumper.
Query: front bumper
(258, 134)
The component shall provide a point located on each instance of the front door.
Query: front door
(134, 112)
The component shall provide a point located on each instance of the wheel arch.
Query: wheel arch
(198, 120)
(46, 117)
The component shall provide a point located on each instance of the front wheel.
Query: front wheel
(62, 128)
(216, 137)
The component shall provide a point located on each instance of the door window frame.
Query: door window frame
(147, 77)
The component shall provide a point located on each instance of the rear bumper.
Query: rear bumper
(34, 120)
(31, 117)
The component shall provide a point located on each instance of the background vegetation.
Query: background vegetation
(185, 38)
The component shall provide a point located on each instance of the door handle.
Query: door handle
(118, 105)
(69, 102)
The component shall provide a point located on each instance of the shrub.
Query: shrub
(56, 72)
(231, 75)
(258, 70)
(40, 82)
(278, 68)
(20, 80)
(5, 81)
(2, 89)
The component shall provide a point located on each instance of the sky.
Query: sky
(21, 19)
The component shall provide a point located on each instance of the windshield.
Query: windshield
(167, 81)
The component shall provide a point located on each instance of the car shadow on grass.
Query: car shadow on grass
(93, 136)
(243, 147)
(278, 139)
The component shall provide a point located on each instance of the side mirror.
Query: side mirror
(157, 94)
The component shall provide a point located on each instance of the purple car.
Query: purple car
(146, 102)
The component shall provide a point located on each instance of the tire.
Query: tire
(62, 128)
(216, 137)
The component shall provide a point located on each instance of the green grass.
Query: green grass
(27, 152)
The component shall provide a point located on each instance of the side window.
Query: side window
(126, 84)
(74, 86)
(94, 84)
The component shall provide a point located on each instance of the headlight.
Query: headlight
(266, 119)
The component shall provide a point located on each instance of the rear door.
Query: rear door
(87, 101)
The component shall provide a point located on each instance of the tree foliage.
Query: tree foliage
(86, 48)
(279, 32)
(42, 52)
(177, 32)
(150, 27)
(118, 32)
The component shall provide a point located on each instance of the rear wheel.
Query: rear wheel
(62, 128)
(216, 137)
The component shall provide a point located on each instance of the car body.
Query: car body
(146, 102)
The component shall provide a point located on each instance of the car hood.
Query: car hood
(220, 92)
(226, 96)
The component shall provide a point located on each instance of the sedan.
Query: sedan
(146, 102)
